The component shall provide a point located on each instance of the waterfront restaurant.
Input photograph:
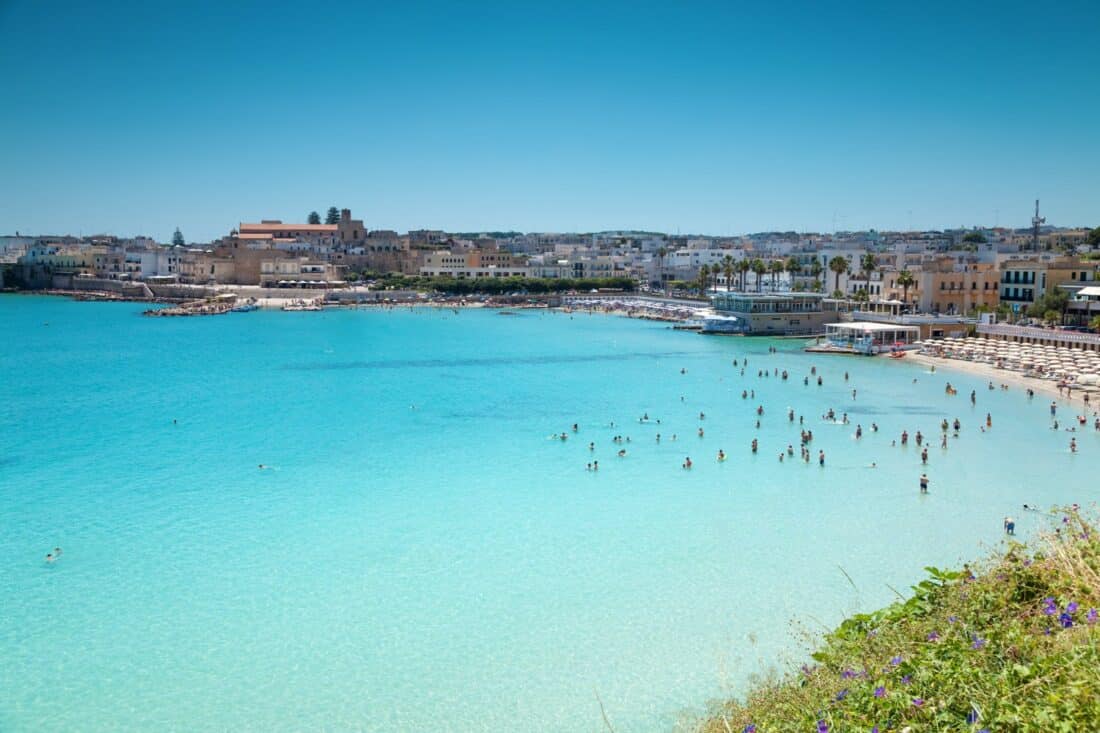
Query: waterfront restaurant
(777, 314)
(870, 338)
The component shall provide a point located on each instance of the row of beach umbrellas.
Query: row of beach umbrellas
(1073, 366)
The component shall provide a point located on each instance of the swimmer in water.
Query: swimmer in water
(687, 463)
(924, 483)
(754, 445)
(873, 465)
(595, 465)
(622, 453)
(1073, 445)
(721, 455)
(821, 458)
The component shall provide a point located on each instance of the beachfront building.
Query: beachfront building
(473, 264)
(299, 272)
(1024, 281)
(953, 286)
(1084, 305)
(866, 337)
(777, 314)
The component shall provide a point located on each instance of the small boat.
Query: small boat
(716, 324)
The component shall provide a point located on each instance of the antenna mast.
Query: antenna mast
(1036, 221)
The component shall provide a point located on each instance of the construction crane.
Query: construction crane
(1036, 222)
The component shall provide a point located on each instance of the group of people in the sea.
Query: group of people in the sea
(950, 427)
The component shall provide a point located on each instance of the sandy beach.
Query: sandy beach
(1000, 376)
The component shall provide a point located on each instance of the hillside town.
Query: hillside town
(1043, 272)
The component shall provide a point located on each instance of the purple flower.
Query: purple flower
(807, 670)
(917, 702)
(972, 716)
(1027, 563)
(842, 694)
(750, 728)
(1066, 620)
(952, 619)
(895, 661)
(978, 642)
(872, 633)
(1092, 615)
(880, 691)
(1072, 607)
(1050, 607)
(933, 636)
(847, 674)
(822, 727)
(906, 679)
(1065, 520)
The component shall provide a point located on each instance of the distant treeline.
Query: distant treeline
(501, 285)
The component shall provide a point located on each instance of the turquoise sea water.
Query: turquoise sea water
(421, 555)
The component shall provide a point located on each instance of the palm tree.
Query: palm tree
(906, 281)
(661, 254)
(815, 270)
(743, 266)
(838, 265)
(703, 279)
(776, 267)
(759, 268)
(867, 265)
(727, 270)
(792, 266)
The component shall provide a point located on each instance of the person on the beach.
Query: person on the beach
(924, 483)
(988, 420)
(1053, 409)
(821, 458)
(859, 431)
(1010, 526)
(924, 456)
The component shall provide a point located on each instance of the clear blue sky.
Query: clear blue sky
(695, 117)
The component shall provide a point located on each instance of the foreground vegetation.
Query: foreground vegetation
(1012, 646)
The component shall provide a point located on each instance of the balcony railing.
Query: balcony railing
(1029, 332)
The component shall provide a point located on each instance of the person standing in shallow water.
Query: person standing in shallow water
(924, 483)
(1010, 526)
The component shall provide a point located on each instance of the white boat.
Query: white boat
(729, 325)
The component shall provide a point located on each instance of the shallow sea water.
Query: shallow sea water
(421, 555)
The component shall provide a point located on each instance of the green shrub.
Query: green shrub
(1012, 647)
